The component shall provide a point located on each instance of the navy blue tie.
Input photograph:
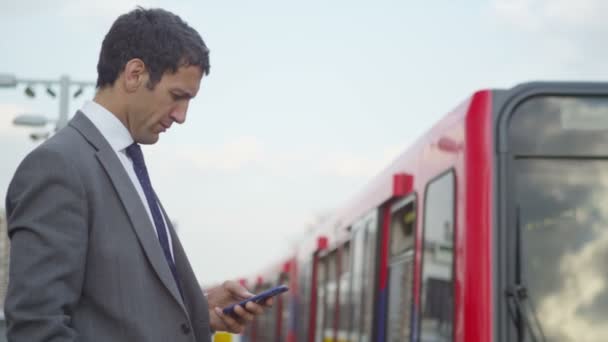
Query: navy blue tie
(134, 152)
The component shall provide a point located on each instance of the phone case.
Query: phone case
(257, 298)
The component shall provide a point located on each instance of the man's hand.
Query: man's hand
(228, 293)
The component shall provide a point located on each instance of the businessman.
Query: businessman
(94, 256)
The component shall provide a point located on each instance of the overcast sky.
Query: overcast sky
(305, 102)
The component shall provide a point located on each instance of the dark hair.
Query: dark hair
(161, 39)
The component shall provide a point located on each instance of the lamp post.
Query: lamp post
(31, 120)
(64, 83)
(34, 120)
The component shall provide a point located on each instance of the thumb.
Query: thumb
(239, 290)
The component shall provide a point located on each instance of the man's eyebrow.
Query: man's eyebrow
(181, 93)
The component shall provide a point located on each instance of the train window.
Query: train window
(437, 297)
(369, 277)
(265, 326)
(302, 301)
(402, 229)
(345, 308)
(285, 308)
(560, 125)
(357, 257)
(363, 281)
(564, 246)
(401, 261)
(331, 289)
(560, 170)
(321, 299)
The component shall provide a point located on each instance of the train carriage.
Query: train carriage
(491, 227)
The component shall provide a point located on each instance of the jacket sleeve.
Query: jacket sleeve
(47, 226)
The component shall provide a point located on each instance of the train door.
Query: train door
(263, 326)
(344, 299)
(437, 273)
(327, 287)
(303, 301)
(283, 306)
(401, 270)
(332, 296)
(315, 308)
(363, 278)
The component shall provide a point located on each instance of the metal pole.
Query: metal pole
(64, 98)
(64, 83)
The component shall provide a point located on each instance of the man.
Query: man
(94, 256)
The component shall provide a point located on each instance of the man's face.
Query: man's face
(152, 112)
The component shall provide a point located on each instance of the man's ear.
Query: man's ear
(135, 75)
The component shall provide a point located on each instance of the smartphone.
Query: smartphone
(259, 298)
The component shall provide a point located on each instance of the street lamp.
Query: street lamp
(8, 81)
(31, 120)
(39, 135)
(34, 120)
(64, 83)
(29, 91)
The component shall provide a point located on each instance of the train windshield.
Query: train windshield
(561, 177)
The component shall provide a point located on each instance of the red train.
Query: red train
(493, 226)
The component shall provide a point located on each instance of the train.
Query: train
(492, 226)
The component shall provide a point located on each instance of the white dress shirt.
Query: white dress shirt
(119, 139)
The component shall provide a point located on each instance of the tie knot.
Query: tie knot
(134, 152)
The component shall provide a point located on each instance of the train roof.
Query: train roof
(386, 184)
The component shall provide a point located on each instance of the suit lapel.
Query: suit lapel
(193, 292)
(135, 209)
(178, 251)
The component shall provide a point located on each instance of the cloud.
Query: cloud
(245, 152)
(229, 156)
(553, 15)
(73, 9)
(558, 35)
(246, 193)
(517, 13)
(566, 245)
(24, 7)
(101, 9)
(584, 287)
(352, 165)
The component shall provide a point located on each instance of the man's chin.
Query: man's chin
(149, 139)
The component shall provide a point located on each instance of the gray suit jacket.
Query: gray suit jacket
(85, 262)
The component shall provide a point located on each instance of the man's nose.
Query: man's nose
(179, 114)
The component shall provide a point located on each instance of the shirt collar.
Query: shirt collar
(109, 125)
